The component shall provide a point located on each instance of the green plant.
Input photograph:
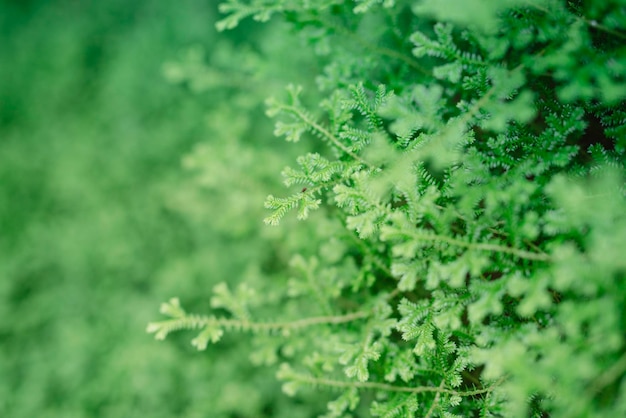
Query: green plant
(472, 177)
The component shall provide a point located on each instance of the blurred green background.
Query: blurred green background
(134, 161)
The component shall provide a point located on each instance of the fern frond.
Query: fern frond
(236, 303)
(365, 5)
(444, 47)
(262, 10)
(213, 327)
(288, 374)
(399, 405)
(347, 401)
(315, 170)
(357, 138)
(366, 106)
(305, 201)
(304, 120)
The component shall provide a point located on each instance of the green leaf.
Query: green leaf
(211, 333)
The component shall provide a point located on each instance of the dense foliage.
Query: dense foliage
(465, 189)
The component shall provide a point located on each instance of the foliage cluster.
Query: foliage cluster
(466, 187)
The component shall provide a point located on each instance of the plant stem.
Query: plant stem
(319, 128)
(283, 326)
(528, 255)
(384, 386)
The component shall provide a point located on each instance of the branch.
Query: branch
(528, 255)
(287, 373)
(324, 132)
(163, 328)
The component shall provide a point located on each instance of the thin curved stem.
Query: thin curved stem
(386, 387)
(324, 132)
(291, 325)
(528, 255)
(284, 325)
(162, 328)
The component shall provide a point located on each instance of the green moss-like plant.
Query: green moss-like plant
(472, 172)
